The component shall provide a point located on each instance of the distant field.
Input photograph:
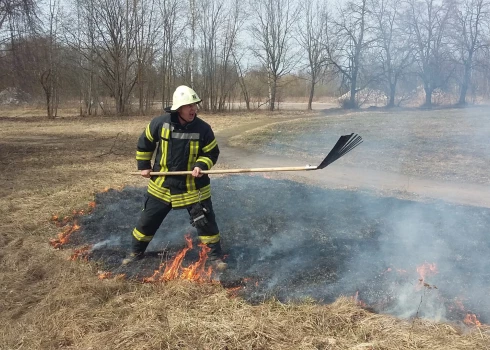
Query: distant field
(448, 144)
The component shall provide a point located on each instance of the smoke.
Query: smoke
(111, 242)
(292, 241)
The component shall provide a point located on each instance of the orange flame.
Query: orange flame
(197, 271)
(233, 292)
(471, 320)
(174, 270)
(101, 275)
(81, 253)
(64, 235)
(358, 301)
(425, 270)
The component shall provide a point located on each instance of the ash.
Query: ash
(295, 242)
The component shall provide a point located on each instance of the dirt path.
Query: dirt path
(336, 176)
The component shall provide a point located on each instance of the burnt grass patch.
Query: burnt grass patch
(295, 242)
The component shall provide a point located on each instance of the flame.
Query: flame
(101, 275)
(233, 292)
(81, 253)
(358, 301)
(64, 235)
(197, 271)
(471, 320)
(425, 270)
(174, 270)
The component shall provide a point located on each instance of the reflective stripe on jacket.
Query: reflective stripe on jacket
(176, 148)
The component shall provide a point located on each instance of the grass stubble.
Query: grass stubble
(55, 167)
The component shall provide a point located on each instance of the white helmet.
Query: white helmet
(184, 95)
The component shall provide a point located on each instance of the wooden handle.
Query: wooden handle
(232, 171)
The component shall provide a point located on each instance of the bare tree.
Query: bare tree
(347, 43)
(114, 48)
(395, 51)
(427, 21)
(18, 20)
(193, 21)
(18, 13)
(241, 79)
(312, 38)
(218, 27)
(470, 20)
(228, 75)
(82, 39)
(48, 66)
(147, 28)
(172, 33)
(210, 20)
(271, 28)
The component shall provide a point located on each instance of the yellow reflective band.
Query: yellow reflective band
(163, 161)
(143, 155)
(159, 192)
(148, 133)
(193, 150)
(209, 147)
(209, 239)
(179, 200)
(184, 199)
(165, 132)
(206, 161)
(141, 237)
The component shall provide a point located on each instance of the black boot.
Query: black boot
(215, 257)
(137, 251)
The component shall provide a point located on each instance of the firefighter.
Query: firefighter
(178, 140)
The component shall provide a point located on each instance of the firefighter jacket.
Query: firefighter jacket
(177, 147)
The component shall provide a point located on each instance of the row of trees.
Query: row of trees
(135, 52)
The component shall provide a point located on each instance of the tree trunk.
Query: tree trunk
(428, 96)
(464, 85)
(352, 98)
(272, 98)
(48, 105)
(312, 93)
(272, 93)
(391, 102)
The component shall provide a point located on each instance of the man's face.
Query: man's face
(188, 112)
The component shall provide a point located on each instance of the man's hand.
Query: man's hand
(196, 172)
(146, 173)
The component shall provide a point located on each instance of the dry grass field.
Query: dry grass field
(53, 167)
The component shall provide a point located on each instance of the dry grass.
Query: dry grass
(53, 167)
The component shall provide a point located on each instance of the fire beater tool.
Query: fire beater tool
(344, 145)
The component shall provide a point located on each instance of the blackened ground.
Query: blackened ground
(294, 242)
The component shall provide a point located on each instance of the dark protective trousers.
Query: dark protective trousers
(152, 216)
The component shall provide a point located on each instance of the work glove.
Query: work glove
(198, 215)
